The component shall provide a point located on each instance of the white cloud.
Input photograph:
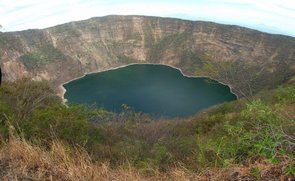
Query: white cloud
(274, 14)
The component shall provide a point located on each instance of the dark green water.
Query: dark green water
(155, 89)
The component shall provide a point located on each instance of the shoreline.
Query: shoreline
(63, 90)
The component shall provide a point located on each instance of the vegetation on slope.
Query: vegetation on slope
(68, 51)
(43, 139)
(48, 54)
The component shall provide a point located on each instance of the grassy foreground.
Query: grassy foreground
(41, 139)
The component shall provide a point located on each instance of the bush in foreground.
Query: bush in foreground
(254, 139)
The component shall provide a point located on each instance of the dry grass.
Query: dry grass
(22, 161)
(19, 160)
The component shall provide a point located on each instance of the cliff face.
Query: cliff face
(67, 51)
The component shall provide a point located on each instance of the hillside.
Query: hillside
(41, 139)
(251, 138)
(247, 60)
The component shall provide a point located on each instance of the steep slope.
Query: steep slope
(246, 59)
(41, 139)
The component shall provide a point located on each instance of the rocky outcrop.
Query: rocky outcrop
(67, 51)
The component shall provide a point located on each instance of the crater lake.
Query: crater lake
(159, 90)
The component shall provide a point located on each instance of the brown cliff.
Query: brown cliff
(68, 51)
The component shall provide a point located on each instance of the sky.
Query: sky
(273, 16)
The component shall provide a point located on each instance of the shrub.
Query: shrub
(259, 135)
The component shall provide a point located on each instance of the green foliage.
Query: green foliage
(209, 67)
(65, 123)
(190, 61)
(46, 55)
(5, 113)
(37, 113)
(125, 60)
(234, 132)
(246, 79)
(290, 169)
(158, 48)
(238, 132)
(256, 173)
(285, 95)
(33, 60)
(160, 154)
(73, 124)
(23, 96)
(259, 135)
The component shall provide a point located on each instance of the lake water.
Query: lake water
(155, 89)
